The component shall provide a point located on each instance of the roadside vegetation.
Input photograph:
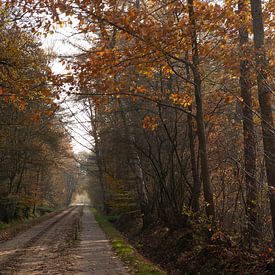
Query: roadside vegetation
(131, 258)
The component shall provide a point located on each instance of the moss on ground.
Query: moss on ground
(128, 254)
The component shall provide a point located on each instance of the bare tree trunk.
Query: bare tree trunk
(195, 196)
(137, 170)
(265, 100)
(18, 185)
(195, 205)
(97, 155)
(248, 128)
(208, 195)
(11, 181)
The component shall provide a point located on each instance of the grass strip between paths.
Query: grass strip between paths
(127, 253)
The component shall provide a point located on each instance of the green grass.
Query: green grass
(136, 263)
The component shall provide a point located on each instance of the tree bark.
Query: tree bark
(195, 196)
(137, 170)
(249, 138)
(265, 100)
(98, 157)
(208, 195)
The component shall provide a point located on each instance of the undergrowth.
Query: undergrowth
(136, 263)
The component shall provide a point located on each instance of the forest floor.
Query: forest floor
(59, 246)
(195, 250)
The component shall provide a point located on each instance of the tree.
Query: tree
(265, 100)
(248, 124)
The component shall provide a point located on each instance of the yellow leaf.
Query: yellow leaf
(229, 99)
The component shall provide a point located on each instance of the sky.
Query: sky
(79, 126)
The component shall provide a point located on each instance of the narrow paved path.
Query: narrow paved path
(47, 248)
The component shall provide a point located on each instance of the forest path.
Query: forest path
(47, 248)
(96, 255)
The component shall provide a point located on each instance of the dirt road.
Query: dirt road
(48, 248)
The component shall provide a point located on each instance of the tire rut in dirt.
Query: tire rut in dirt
(43, 251)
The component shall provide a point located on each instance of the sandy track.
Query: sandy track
(48, 248)
(43, 249)
(95, 255)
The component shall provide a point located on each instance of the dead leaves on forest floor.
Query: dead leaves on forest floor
(193, 252)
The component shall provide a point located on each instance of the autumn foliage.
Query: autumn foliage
(180, 102)
(34, 146)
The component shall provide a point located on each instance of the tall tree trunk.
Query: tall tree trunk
(208, 195)
(248, 127)
(137, 169)
(195, 196)
(97, 156)
(265, 100)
